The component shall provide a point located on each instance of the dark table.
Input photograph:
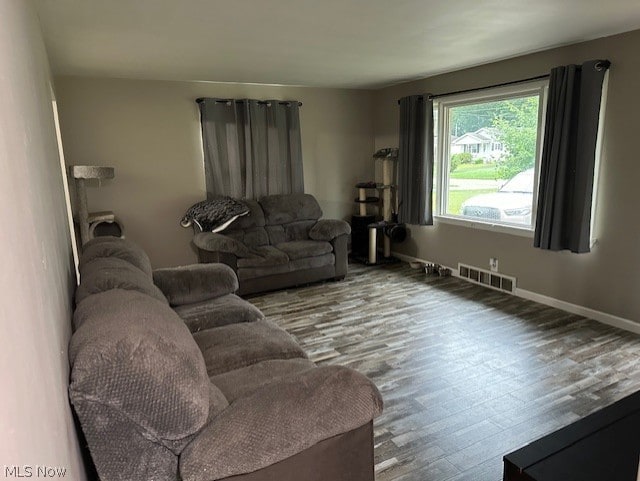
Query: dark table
(604, 446)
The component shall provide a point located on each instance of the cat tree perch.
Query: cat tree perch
(88, 221)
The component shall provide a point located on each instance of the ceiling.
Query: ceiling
(324, 43)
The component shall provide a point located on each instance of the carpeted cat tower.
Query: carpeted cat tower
(369, 230)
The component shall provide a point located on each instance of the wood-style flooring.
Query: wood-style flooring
(467, 374)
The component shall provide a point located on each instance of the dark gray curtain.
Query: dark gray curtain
(415, 160)
(568, 157)
(251, 148)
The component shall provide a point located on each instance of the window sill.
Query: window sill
(490, 226)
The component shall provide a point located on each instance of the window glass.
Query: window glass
(488, 157)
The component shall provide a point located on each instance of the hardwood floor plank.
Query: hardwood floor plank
(468, 374)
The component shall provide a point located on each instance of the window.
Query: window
(488, 147)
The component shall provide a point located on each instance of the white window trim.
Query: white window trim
(513, 229)
(540, 88)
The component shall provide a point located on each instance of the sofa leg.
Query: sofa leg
(339, 278)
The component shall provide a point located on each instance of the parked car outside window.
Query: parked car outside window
(512, 203)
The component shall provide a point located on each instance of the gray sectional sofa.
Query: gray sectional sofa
(174, 377)
(281, 243)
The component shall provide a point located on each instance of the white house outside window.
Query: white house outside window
(488, 147)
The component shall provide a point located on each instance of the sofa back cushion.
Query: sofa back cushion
(293, 231)
(286, 208)
(133, 358)
(249, 229)
(289, 217)
(116, 247)
(105, 273)
(255, 218)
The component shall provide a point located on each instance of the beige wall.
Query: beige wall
(150, 132)
(608, 278)
(37, 275)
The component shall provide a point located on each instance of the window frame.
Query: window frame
(441, 108)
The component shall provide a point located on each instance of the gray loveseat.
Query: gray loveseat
(173, 377)
(281, 243)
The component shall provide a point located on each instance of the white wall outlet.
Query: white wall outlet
(493, 264)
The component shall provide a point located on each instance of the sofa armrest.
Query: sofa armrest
(195, 283)
(329, 229)
(214, 242)
(341, 253)
(280, 420)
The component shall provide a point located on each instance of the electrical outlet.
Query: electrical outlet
(493, 264)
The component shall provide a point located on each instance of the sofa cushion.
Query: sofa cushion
(133, 355)
(214, 242)
(266, 256)
(305, 248)
(238, 345)
(116, 247)
(292, 266)
(218, 402)
(251, 237)
(286, 208)
(298, 230)
(245, 273)
(276, 234)
(195, 282)
(217, 312)
(312, 262)
(242, 382)
(255, 218)
(106, 273)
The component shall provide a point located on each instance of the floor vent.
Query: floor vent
(493, 280)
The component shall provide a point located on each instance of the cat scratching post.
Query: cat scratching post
(362, 199)
(389, 158)
(388, 165)
(367, 229)
(82, 173)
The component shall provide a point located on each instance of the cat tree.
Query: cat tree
(92, 223)
(365, 228)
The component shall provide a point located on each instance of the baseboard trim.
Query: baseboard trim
(599, 316)
(603, 317)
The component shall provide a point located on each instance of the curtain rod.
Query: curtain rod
(263, 102)
(503, 84)
(475, 89)
(600, 65)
